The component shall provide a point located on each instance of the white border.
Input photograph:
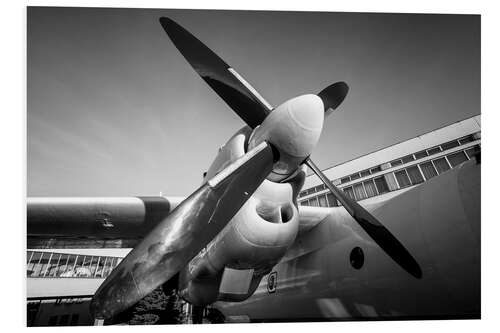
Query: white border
(13, 135)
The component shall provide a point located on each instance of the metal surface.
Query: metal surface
(441, 228)
(294, 128)
(231, 88)
(96, 218)
(180, 236)
(380, 234)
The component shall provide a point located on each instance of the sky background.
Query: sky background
(115, 110)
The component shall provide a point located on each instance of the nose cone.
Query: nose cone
(307, 112)
(299, 126)
(294, 129)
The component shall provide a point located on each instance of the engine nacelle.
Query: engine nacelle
(232, 265)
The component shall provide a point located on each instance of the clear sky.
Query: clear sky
(115, 110)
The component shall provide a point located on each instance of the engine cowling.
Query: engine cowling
(251, 244)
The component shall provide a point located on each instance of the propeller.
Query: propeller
(250, 106)
(224, 80)
(380, 234)
(182, 234)
(333, 95)
(197, 220)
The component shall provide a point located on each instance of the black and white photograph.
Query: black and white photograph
(196, 166)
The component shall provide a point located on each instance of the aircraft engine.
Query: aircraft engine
(232, 265)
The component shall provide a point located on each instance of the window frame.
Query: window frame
(364, 191)
(416, 166)
(432, 148)
(439, 158)
(384, 182)
(374, 186)
(457, 153)
(420, 152)
(450, 145)
(397, 180)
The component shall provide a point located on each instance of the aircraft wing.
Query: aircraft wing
(96, 217)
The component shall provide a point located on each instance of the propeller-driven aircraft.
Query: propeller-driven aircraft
(244, 223)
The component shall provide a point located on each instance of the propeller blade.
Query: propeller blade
(333, 95)
(380, 234)
(223, 79)
(182, 234)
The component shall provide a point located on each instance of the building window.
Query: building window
(466, 139)
(79, 271)
(375, 169)
(441, 165)
(402, 178)
(51, 262)
(365, 173)
(457, 158)
(55, 267)
(88, 261)
(332, 202)
(313, 202)
(62, 266)
(108, 266)
(408, 159)
(100, 267)
(345, 180)
(449, 145)
(349, 192)
(415, 175)
(355, 176)
(359, 191)
(38, 263)
(473, 151)
(381, 185)
(371, 191)
(396, 163)
(32, 262)
(322, 201)
(29, 255)
(420, 154)
(433, 151)
(428, 170)
(68, 269)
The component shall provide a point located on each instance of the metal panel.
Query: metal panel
(236, 281)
